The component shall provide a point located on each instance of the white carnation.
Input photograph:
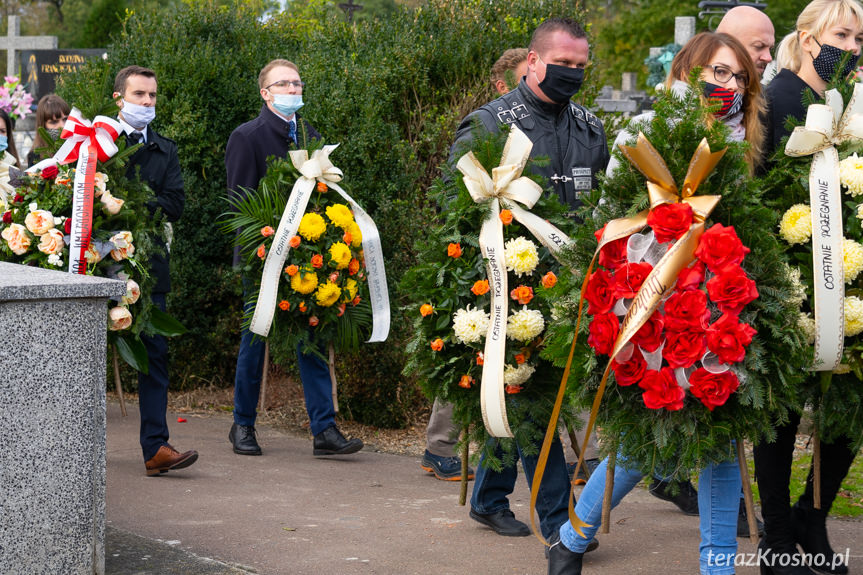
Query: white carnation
(524, 325)
(517, 375)
(470, 325)
(520, 255)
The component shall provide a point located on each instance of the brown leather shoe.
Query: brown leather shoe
(168, 458)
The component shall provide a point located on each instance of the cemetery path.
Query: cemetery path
(288, 512)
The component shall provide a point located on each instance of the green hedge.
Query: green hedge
(391, 92)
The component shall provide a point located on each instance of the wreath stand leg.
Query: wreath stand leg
(332, 366)
(747, 492)
(462, 496)
(606, 497)
(117, 383)
(816, 469)
(577, 449)
(264, 377)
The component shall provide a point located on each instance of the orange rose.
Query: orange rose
(353, 267)
(295, 242)
(454, 250)
(426, 309)
(506, 217)
(262, 251)
(437, 344)
(17, 239)
(348, 238)
(267, 231)
(519, 358)
(480, 358)
(512, 389)
(119, 318)
(522, 294)
(342, 308)
(480, 287)
(355, 301)
(284, 305)
(321, 187)
(317, 261)
(334, 277)
(549, 280)
(302, 306)
(313, 321)
(465, 381)
(292, 270)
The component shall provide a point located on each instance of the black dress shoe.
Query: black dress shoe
(503, 523)
(331, 442)
(562, 561)
(243, 439)
(592, 546)
(810, 531)
(743, 523)
(780, 559)
(686, 497)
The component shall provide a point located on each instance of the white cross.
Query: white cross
(13, 42)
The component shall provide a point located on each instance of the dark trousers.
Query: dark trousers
(153, 390)
(773, 473)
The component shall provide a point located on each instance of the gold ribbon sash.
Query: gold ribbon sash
(826, 127)
(506, 186)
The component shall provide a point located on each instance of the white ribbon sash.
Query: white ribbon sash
(507, 185)
(827, 126)
(314, 169)
(82, 210)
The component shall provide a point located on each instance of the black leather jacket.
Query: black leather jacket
(571, 137)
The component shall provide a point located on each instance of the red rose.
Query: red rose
(661, 390)
(50, 172)
(712, 389)
(631, 371)
(687, 310)
(649, 336)
(613, 254)
(683, 348)
(629, 277)
(603, 333)
(18, 198)
(67, 226)
(690, 278)
(731, 290)
(670, 221)
(7, 217)
(720, 248)
(600, 292)
(728, 338)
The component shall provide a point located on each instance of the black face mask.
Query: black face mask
(827, 60)
(732, 100)
(561, 83)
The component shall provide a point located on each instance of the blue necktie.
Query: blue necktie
(292, 132)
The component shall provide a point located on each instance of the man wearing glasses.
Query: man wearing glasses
(275, 131)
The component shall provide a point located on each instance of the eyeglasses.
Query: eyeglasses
(722, 75)
(287, 83)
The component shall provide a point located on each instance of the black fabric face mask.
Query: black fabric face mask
(732, 100)
(827, 60)
(561, 83)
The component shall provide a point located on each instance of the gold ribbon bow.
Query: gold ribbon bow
(661, 189)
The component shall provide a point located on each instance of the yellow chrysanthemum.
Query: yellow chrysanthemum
(340, 215)
(524, 325)
(852, 256)
(470, 325)
(312, 226)
(796, 224)
(851, 174)
(853, 315)
(340, 254)
(328, 294)
(520, 255)
(356, 235)
(860, 211)
(304, 282)
(350, 289)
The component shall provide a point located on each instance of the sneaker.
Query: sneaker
(743, 523)
(686, 497)
(587, 469)
(444, 468)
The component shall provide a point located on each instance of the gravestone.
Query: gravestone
(13, 42)
(52, 420)
(40, 69)
(684, 29)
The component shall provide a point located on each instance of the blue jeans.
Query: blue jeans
(314, 374)
(491, 488)
(718, 504)
(153, 390)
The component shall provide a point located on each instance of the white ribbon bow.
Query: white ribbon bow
(504, 184)
(826, 127)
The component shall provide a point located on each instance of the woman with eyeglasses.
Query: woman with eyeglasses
(731, 83)
(807, 58)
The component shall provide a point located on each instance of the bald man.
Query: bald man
(754, 30)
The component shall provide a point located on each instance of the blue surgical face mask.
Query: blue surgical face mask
(137, 116)
(287, 104)
(4, 142)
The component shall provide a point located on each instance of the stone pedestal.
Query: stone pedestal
(52, 420)
(684, 29)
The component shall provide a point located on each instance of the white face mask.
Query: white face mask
(137, 116)
(287, 104)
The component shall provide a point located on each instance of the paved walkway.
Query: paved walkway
(370, 513)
